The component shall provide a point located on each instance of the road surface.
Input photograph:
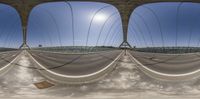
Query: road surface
(169, 63)
(75, 64)
(7, 57)
(126, 82)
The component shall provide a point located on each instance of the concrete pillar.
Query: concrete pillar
(24, 44)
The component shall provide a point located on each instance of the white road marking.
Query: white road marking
(81, 76)
(4, 67)
(164, 74)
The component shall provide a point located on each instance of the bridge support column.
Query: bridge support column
(125, 45)
(24, 44)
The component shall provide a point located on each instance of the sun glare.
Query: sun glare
(99, 17)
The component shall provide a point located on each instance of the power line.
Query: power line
(9, 33)
(177, 21)
(42, 35)
(55, 22)
(112, 35)
(114, 38)
(147, 27)
(104, 26)
(134, 39)
(191, 31)
(3, 30)
(12, 40)
(114, 41)
(39, 24)
(88, 33)
(136, 32)
(72, 19)
(141, 32)
(156, 16)
(109, 33)
(112, 25)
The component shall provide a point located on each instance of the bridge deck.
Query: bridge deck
(7, 57)
(166, 63)
(75, 64)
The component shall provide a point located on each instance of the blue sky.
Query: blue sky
(50, 24)
(144, 21)
(10, 27)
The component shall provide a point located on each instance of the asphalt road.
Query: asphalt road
(7, 57)
(170, 64)
(75, 64)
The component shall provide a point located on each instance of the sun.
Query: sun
(100, 18)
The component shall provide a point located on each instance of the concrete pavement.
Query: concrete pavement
(126, 82)
(7, 57)
(75, 68)
(168, 67)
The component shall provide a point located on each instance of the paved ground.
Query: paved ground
(170, 64)
(126, 82)
(75, 64)
(7, 57)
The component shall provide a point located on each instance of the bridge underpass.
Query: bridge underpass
(51, 54)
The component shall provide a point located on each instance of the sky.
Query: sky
(165, 24)
(10, 27)
(151, 25)
(51, 24)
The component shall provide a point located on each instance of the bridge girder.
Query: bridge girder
(125, 8)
